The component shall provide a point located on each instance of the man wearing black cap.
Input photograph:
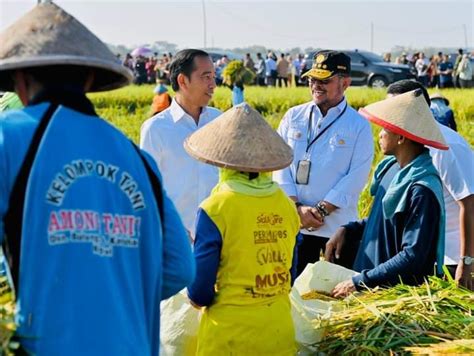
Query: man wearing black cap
(333, 151)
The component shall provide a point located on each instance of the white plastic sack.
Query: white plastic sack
(179, 326)
(320, 276)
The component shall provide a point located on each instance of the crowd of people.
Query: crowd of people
(439, 70)
(147, 70)
(99, 231)
(283, 71)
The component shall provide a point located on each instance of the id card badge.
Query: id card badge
(302, 171)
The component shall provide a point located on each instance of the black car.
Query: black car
(368, 68)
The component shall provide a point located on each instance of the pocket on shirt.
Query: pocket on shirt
(338, 142)
(296, 134)
(297, 140)
(341, 148)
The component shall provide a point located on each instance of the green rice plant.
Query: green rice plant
(235, 73)
(128, 108)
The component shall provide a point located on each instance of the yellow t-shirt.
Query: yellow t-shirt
(251, 311)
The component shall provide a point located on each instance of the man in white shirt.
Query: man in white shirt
(456, 169)
(270, 70)
(422, 65)
(333, 151)
(187, 181)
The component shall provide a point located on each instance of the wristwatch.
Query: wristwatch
(322, 209)
(467, 260)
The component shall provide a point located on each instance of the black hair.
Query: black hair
(405, 85)
(183, 63)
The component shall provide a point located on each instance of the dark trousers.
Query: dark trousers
(311, 247)
(282, 79)
(309, 250)
(452, 270)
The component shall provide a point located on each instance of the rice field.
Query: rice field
(129, 107)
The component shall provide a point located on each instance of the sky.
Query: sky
(274, 24)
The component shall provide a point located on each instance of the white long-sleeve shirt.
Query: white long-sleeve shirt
(187, 181)
(340, 160)
(456, 169)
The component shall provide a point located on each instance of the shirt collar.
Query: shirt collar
(335, 109)
(177, 112)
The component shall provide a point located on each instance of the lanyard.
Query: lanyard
(308, 136)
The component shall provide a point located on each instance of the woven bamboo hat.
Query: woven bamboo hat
(48, 36)
(242, 140)
(439, 96)
(407, 115)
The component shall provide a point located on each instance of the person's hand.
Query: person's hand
(465, 275)
(335, 245)
(310, 218)
(343, 289)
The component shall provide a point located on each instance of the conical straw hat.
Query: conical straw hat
(48, 36)
(242, 140)
(408, 115)
(439, 96)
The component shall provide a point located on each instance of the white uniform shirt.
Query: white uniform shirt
(456, 168)
(187, 181)
(340, 160)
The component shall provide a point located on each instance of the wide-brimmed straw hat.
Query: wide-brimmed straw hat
(240, 139)
(408, 115)
(49, 36)
(439, 96)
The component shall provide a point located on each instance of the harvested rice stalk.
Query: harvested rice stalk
(7, 326)
(381, 321)
(458, 347)
(318, 294)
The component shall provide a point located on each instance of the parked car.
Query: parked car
(368, 68)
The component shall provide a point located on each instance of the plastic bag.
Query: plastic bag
(179, 326)
(323, 277)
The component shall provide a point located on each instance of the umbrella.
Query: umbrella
(141, 51)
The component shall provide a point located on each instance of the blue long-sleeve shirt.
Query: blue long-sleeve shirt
(207, 252)
(401, 248)
(93, 258)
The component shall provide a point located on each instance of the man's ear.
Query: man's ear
(347, 82)
(182, 80)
